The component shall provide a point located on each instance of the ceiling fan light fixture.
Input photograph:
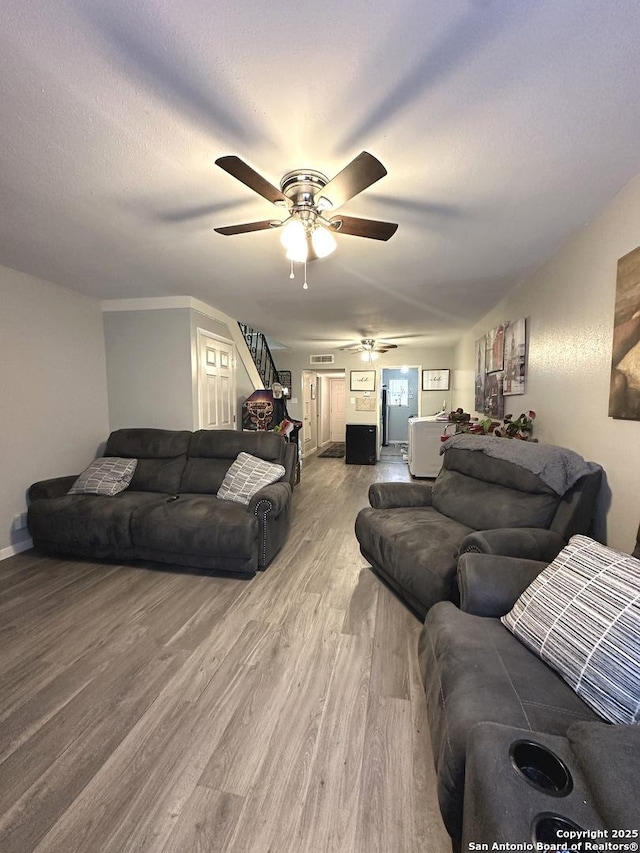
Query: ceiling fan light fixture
(298, 252)
(369, 355)
(323, 242)
(293, 233)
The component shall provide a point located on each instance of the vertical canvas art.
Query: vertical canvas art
(481, 360)
(624, 389)
(495, 348)
(514, 358)
(493, 399)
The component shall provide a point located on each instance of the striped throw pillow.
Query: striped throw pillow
(106, 475)
(246, 476)
(581, 615)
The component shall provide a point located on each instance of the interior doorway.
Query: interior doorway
(330, 406)
(400, 401)
(309, 432)
(337, 416)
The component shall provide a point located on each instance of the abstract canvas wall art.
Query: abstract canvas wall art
(624, 389)
(514, 358)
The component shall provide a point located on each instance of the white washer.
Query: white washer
(424, 446)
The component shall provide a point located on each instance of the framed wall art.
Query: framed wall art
(362, 380)
(624, 389)
(493, 397)
(480, 360)
(435, 380)
(495, 348)
(514, 358)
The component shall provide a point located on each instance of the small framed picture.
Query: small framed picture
(435, 380)
(363, 380)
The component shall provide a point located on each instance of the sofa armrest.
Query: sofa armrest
(490, 585)
(393, 495)
(531, 543)
(270, 499)
(54, 488)
(291, 462)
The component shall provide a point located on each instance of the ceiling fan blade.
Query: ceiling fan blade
(357, 176)
(246, 227)
(372, 228)
(248, 176)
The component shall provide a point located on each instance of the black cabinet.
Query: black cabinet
(362, 444)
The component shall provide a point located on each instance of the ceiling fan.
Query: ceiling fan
(309, 200)
(370, 348)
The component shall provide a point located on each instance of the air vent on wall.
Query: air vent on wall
(321, 359)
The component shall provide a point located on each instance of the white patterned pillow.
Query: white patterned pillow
(106, 475)
(581, 615)
(246, 476)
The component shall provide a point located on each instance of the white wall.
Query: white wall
(569, 304)
(53, 391)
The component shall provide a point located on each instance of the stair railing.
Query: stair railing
(261, 354)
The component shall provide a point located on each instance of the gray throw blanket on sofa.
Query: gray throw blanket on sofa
(558, 467)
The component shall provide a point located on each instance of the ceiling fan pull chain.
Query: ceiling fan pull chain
(305, 286)
(292, 274)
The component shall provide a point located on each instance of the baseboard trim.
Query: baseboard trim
(12, 550)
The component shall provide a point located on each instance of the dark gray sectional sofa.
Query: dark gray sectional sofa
(146, 521)
(485, 692)
(413, 533)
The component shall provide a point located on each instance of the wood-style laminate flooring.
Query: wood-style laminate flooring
(157, 710)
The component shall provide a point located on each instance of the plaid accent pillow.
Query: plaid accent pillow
(106, 475)
(581, 615)
(246, 476)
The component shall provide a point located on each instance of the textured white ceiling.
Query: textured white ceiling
(504, 125)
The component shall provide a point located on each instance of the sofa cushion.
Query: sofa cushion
(161, 456)
(197, 525)
(475, 671)
(211, 453)
(490, 469)
(582, 616)
(90, 525)
(246, 476)
(415, 547)
(482, 505)
(106, 475)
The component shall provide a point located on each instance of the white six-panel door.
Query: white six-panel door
(216, 381)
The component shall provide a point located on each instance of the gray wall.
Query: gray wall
(53, 390)
(152, 367)
(149, 368)
(569, 304)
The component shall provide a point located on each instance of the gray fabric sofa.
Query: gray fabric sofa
(146, 521)
(486, 690)
(413, 533)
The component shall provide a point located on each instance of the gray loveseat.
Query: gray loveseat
(485, 692)
(491, 493)
(146, 520)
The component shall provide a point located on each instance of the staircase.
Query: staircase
(261, 355)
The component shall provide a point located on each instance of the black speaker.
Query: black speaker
(361, 444)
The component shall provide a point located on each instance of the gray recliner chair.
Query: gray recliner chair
(492, 495)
